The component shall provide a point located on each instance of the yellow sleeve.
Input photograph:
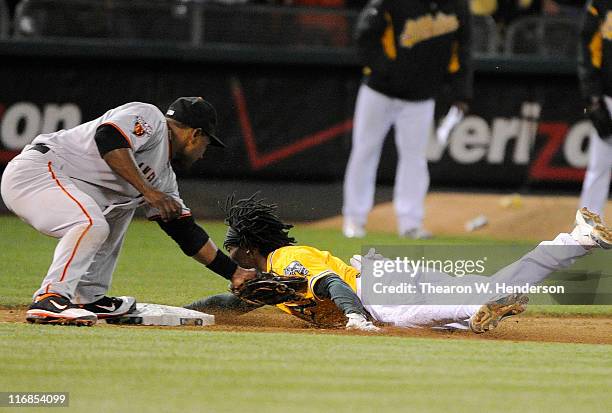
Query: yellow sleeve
(310, 263)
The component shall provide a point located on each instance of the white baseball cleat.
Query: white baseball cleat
(490, 314)
(416, 233)
(352, 230)
(590, 230)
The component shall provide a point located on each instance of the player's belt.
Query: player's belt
(42, 148)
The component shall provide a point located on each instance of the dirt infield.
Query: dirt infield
(585, 330)
(519, 217)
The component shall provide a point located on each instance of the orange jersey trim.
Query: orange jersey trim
(47, 294)
(121, 132)
(76, 247)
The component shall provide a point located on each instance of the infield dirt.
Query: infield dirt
(529, 218)
(584, 330)
(509, 217)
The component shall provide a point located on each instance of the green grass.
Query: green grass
(136, 369)
(153, 269)
(139, 369)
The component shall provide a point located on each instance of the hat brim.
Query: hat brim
(215, 141)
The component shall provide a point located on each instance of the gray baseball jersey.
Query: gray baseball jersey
(144, 127)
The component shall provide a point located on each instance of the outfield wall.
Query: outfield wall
(286, 114)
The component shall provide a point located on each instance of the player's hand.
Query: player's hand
(357, 260)
(359, 322)
(241, 275)
(600, 117)
(167, 206)
(594, 104)
(463, 106)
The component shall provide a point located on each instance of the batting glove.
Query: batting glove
(600, 117)
(357, 260)
(359, 322)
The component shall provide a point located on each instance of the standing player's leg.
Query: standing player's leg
(93, 286)
(35, 189)
(596, 185)
(412, 130)
(373, 119)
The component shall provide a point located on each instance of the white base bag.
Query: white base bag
(163, 315)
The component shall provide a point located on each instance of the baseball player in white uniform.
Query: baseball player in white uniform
(595, 74)
(83, 185)
(596, 184)
(409, 49)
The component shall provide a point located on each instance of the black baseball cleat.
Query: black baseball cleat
(54, 309)
(107, 307)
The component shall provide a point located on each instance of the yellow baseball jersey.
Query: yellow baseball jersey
(313, 264)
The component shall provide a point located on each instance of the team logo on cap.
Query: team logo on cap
(141, 127)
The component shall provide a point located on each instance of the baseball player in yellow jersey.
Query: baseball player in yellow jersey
(256, 238)
(315, 265)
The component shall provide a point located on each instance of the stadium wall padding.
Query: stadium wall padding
(289, 117)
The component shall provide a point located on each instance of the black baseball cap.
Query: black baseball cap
(195, 112)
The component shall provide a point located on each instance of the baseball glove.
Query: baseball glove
(600, 117)
(271, 289)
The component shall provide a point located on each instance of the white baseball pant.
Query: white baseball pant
(532, 268)
(375, 113)
(35, 188)
(596, 185)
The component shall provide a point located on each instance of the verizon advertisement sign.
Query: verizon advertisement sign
(22, 121)
(521, 131)
(549, 150)
(555, 151)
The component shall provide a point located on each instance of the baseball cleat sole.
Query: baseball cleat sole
(602, 235)
(68, 317)
(490, 314)
(584, 216)
(590, 230)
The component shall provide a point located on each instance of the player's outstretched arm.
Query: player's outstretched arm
(334, 288)
(222, 304)
(196, 243)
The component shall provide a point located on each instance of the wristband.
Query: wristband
(223, 265)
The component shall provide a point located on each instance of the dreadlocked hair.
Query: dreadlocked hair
(253, 224)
